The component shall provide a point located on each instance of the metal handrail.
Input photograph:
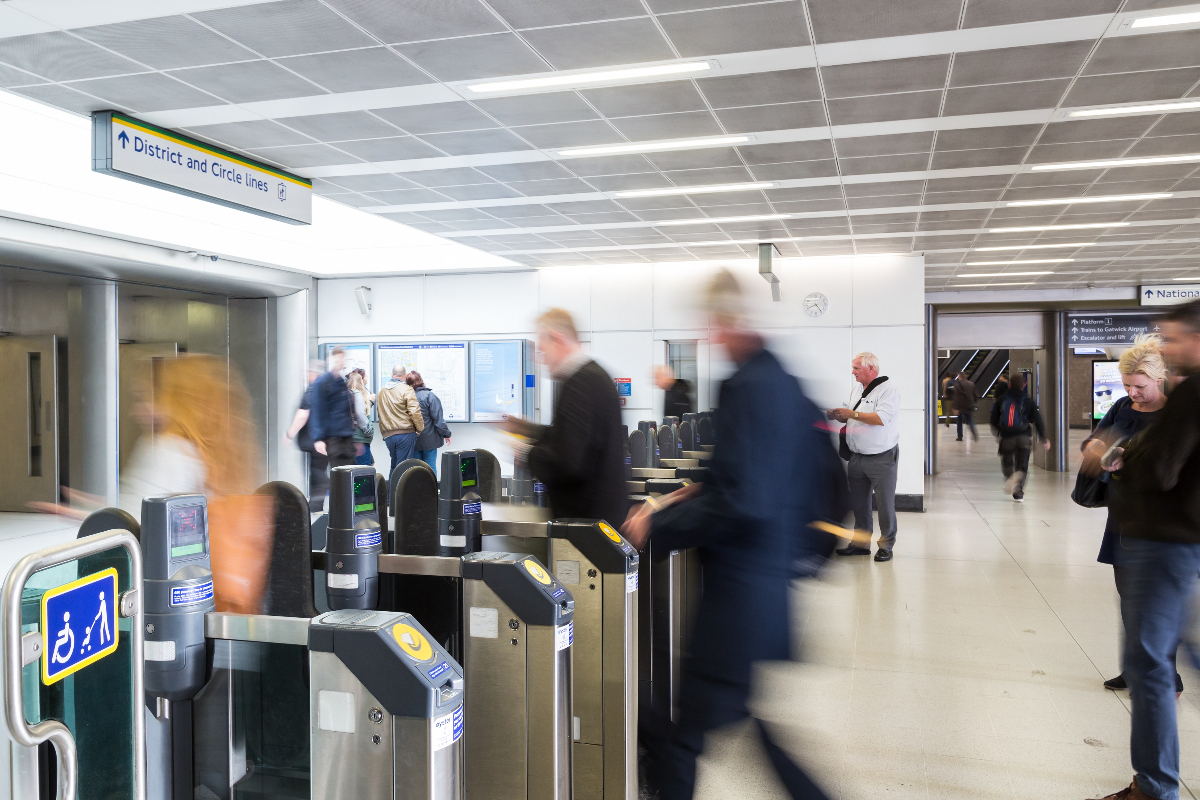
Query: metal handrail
(14, 704)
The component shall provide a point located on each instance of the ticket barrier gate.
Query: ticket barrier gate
(502, 615)
(73, 688)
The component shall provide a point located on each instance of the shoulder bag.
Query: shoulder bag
(843, 448)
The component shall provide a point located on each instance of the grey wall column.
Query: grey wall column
(288, 347)
(931, 389)
(92, 385)
(1056, 345)
(248, 358)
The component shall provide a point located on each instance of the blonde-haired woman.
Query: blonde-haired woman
(1144, 375)
(200, 440)
(364, 432)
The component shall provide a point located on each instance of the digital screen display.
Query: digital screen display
(187, 531)
(364, 494)
(470, 473)
(1107, 387)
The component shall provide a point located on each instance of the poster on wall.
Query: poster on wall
(497, 380)
(443, 367)
(1106, 387)
(358, 356)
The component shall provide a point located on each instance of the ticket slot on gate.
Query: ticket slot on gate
(387, 712)
(178, 592)
(592, 560)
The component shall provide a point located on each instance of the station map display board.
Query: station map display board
(497, 380)
(443, 367)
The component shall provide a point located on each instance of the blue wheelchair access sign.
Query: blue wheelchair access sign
(79, 624)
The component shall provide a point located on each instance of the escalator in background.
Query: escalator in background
(982, 367)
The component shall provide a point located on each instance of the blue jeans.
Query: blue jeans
(969, 418)
(366, 459)
(1155, 607)
(429, 457)
(401, 447)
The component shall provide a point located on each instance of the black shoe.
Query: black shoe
(1178, 683)
(959, 439)
(1116, 683)
(883, 555)
(853, 550)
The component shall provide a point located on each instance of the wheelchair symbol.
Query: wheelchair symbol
(283, 191)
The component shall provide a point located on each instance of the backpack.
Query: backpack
(1013, 418)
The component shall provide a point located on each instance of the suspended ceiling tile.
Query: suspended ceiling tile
(534, 171)
(1012, 64)
(1159, 51)
(608, 165)
(395, 148)
(347, 125)
(787, 151)
(247, 82)
(570, 134)
(868, 165)
(1095, 130)
(437, 118)
(482, 191)
(458, 176)
(257, 133)
(151, 91)
(696, 159)
(537, 109)
(1004, 97)
(889, 144)
(551, 187)
(356, 70)
(463, 143)
(61, 57)
(885, 107)
(885, 77)
(600, 44)
(795, 170)
(740, 29)
(650, 98)
(1133, 87)
(490, 56)
(287, 28)
(1078, 151)
(668, 126)
(64, 97)
(990, 157)
(782, 116)
(166, 42)
(540, 13)
(304, 155)
(373, 183)
(403, 197)
(416, 20)
(850, 20)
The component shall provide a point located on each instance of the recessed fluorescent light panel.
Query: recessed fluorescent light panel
(965, 285)
(1079, 226)
(1151, 108)
(1118, 162)
(656, 147)
(587, 78)
(1020, 261)
(1166, 19)
(1112, 198)
(1193, 278)
(676, 190)
(1001, 274)
(1032, 246)
(719, 220)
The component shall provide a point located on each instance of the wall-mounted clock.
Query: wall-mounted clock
(816, 304)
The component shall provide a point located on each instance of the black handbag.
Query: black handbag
(843, 448)
(1090, 492)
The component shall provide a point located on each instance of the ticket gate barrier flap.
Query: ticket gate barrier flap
(601, 570)
(386, 705)
(355, 536)
(92, 760)
(459, 503)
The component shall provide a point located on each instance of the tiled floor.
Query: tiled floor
(968, 667)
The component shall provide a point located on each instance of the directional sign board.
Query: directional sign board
(138, 151)
(79, 624)
(1169, 295)
(1100, 329)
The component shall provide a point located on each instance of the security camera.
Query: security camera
(363, 294)
(214, 258)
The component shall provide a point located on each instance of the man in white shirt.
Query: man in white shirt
(873, 437)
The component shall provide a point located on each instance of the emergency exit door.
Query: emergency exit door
(28, 421)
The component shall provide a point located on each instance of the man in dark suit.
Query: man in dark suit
(580, 456)
(749, 519)
(965, 399)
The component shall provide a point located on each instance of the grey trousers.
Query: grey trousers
(875, 475)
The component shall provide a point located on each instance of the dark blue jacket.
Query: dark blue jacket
(331, 415)
(750, 521)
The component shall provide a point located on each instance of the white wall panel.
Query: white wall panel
(623, 298)
(569, 288)
(901, 351)
(889, 290)
(490, 303)
(820, 358)
(910, 478)
(397, 307)
(628, 354)
(800, 277)
(677, 292)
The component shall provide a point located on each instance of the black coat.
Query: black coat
(750, 522)
(1160, 481)
(678, 399)
(580, 457)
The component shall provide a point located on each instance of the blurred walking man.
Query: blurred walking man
(1159, 512)
(748, 532)
(965, 399)
(580, 457)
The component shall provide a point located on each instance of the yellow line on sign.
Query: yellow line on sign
(185, 143)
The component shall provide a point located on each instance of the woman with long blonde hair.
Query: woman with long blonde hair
(364, 432)
(1144, 374)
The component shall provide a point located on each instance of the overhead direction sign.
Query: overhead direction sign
(1100, 329)
(1169, 295)
(79, 624)
(138, 151)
